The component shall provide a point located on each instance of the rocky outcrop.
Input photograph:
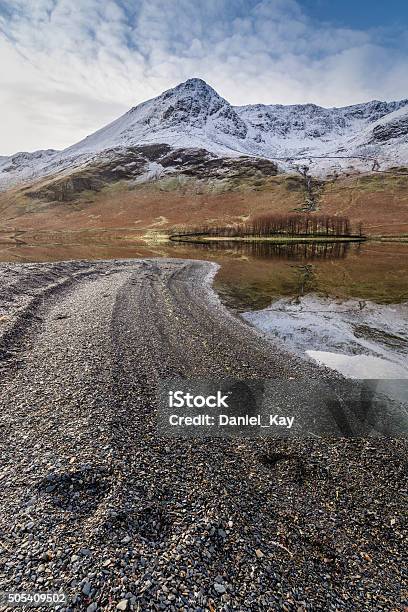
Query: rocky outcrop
(394, 129)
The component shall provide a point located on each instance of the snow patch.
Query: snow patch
(152, 172)
(359, 366)
(358, 338)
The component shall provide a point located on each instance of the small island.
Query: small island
(271, 227)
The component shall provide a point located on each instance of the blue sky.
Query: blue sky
(71, 66)
(358, 13)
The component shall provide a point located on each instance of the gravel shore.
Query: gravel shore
(94, 504)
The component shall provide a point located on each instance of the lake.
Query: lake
(341, 304)
(251, 274)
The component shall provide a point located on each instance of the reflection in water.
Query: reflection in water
(278, 250)
(251, 274)
(254, 274)
(268, 269)
(306, 278)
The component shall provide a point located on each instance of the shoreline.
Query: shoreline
(11, 236)
(94, 503)
(285, 240)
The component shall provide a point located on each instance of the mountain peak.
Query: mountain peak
(193, 86)
(194, 105)
(195, 81)
(192, 115)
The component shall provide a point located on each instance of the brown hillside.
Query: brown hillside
(379, 201)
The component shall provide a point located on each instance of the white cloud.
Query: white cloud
(70, 66)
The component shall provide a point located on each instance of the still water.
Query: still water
(252, 275)
(345, 305)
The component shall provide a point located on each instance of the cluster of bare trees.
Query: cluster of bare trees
(292, 224)
(296, 224)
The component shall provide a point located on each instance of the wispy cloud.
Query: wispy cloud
(69, 67)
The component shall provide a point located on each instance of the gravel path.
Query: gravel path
(93, 503)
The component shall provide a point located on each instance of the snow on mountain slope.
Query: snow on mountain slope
(24, 166)
(24, 163)
(194, 116)
(310, 129)
(190, 115)
(385, 139)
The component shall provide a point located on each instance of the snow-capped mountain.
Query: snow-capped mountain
(190, 115)
(194, 116)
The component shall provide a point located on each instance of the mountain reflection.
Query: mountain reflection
(283, 250)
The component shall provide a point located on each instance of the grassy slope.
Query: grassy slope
(379, 201)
